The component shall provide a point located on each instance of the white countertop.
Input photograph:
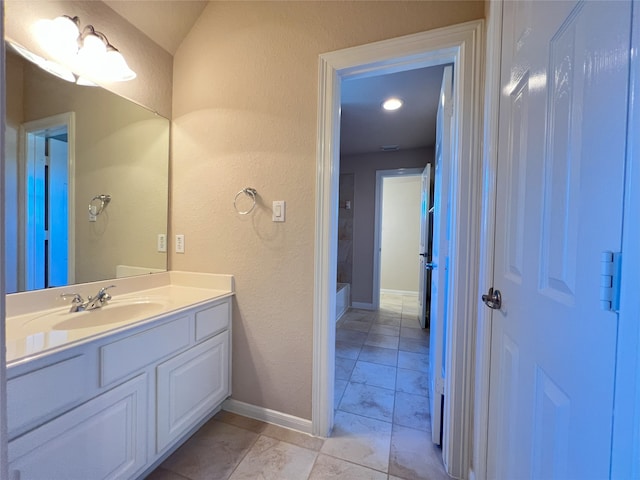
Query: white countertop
(38, 322)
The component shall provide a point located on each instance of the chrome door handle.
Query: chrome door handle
(493, 299)
(430, 266)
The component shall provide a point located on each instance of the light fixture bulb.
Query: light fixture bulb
(58, 70)
(66, 28)
(392, 104)
(92, 45)
(59, 36)
(116, 68)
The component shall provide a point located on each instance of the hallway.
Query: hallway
(381, 397)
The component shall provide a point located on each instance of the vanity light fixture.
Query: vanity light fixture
(392, 104)
(86, 52)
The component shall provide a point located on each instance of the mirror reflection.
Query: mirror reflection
(86, 180)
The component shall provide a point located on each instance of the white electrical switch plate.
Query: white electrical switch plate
(179, 243)
(162, 242)
(278, 210)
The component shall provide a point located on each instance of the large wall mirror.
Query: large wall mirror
(86, 177)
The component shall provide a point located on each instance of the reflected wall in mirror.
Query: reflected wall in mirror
(65, 145)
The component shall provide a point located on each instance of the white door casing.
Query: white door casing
(424, 256)
(561, 158)
(460, 45)
(440, 252)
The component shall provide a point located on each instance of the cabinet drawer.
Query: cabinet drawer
(191, 385)
(212, 320)
(129, 355)
(105, 438)
(36, 396)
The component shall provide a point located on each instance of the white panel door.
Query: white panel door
(424, 253)
(440, 253)
(561, 163)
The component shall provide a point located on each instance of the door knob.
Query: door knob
(430, 266)
(493, 299)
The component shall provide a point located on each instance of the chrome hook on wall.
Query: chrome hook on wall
(249, 192)
(94, 209)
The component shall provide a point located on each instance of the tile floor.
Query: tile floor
(382, 420)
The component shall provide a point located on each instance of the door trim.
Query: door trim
(377, 240)
(461, 45)
(68, 120)
(487, 237)
(626, 408)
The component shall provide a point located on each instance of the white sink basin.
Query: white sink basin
(116, 312)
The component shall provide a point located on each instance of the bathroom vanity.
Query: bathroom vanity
(110, 395)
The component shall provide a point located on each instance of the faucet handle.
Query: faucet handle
(76, 297)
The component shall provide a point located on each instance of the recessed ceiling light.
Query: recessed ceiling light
(392, 104)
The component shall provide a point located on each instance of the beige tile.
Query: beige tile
(356, 325)
(351, 336)
(412, 411)
(347, 350)
(414, 456)
(383, 341)
(367, 400)
(412, 381)
(344, 367)
(413, 361)
(212, 453)
(384, 356)
(329, 468)
(291, 436)
(271, 459)
(414, 345)
(338, 390)
(360, 440)
(162, 474)
(416, 333)
(374, 374)
(391, 330)
(247, 423)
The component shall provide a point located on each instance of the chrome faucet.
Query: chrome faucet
(80, 305)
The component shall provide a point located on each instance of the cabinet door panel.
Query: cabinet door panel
(190, 385)
(104, 438)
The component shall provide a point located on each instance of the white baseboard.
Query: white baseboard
(362, 305)
(269, 416)
(408, 293)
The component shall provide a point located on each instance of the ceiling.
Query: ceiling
(166, 22)
(366, 127)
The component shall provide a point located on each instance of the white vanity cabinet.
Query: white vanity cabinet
(113, 408)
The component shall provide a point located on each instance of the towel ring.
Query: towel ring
(104, 201)
(249, 192)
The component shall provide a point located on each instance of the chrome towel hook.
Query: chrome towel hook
(249, 192)
(104, 200)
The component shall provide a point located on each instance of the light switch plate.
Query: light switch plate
(179, 243)
(278, 211)
(162, 242)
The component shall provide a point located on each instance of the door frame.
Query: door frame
(461, 45)
(25, 163)
(377, 235)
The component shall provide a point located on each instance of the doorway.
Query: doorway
(460, 46)
(46, 203)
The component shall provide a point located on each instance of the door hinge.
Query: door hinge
(610, 281)
(440, 385)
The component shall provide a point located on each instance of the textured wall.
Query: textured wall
(244, 111)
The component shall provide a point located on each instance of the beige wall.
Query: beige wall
(364, 167)
(245, 108)
(153, 65)
(400, 233)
